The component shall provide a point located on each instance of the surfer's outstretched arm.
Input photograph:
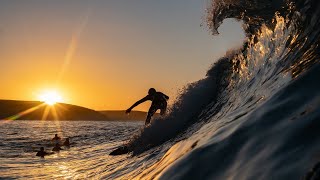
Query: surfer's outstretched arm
(137, 103)
(167, 97)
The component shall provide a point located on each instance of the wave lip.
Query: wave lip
(252, 13)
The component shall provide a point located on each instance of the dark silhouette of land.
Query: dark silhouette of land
(35, 110)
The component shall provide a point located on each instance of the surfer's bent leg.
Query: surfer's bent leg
(163, 109)
(151, 112)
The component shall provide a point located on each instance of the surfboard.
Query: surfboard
(120, 151)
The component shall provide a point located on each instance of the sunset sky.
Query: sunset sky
(106, 54)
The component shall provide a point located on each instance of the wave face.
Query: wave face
(256, 113)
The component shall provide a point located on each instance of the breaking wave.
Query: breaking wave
(251, 117)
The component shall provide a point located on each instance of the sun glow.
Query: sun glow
(50, 97)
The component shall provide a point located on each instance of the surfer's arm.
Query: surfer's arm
(137, 103)
(167, 97)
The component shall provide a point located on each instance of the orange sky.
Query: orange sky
(105, 55)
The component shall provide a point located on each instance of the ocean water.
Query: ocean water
(255, 115)
(91, 142)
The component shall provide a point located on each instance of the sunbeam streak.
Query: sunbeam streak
(23, 113)
(73, 46)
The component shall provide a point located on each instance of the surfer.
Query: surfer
(42, 153)
(159, 101)
(56, 139)
(66, 142)
(56, 148)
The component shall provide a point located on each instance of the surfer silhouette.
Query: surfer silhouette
(56, 138)
(42, 153)
(159, 101)
(57, 148)
(66, 142)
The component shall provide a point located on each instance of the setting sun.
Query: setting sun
(50, 97)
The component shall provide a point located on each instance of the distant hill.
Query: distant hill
(35, 110)
(120, 115)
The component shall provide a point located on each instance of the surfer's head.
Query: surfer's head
(152, 91)
(42, 149)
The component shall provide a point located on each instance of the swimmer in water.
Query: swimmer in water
(66, 142)
(42, 153)
(56, 139)
(57, 148)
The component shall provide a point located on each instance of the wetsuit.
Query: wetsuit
(56, 140)
(159, 101)
(41, 153)
(56, 148)
(66, 143)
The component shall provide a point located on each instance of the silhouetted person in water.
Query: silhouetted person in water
(42, 153)
(56, 148)
(66, 142)
(56, 139)
(159, 101)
